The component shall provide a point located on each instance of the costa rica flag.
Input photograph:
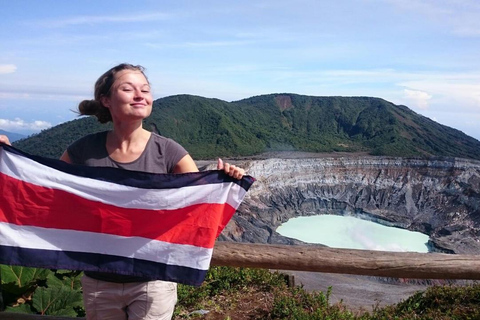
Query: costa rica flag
(159, 226)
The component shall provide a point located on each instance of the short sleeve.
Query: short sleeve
(173, 153)
(87, 147)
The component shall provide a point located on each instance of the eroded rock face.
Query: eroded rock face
(439, 197)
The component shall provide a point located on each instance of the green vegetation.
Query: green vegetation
(42, 291)
(439, 302)
(210, 128)
(236, 293)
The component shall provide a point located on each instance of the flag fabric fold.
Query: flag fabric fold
(158, 226)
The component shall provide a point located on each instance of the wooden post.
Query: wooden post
(361, 262)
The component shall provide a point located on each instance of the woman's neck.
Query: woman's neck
(126, 143)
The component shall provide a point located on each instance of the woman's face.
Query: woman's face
(130, 97)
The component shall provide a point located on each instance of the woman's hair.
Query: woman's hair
(103, 88)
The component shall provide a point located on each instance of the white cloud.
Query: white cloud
(41, 96)
(417, 98)
(451, 91)
(7, 68)
(91, 20)
(203, 44)
(20, 125)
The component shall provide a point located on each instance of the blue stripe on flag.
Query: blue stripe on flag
(51, 259)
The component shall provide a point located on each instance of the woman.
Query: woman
(122, 95)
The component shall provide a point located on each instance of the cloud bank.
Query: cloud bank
(417, 98)
(18, 124)
(7, 68)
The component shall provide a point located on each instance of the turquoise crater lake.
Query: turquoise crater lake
(353, 233)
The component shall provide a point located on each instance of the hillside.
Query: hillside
(208, 128)
(12, 136)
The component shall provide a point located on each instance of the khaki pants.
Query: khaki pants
(133, 301)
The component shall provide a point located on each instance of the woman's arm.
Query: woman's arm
(65, 157)
(186, 164)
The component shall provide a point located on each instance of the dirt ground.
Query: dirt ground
(356, 292)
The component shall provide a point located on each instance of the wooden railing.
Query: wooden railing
(328, 260)
(361, 262)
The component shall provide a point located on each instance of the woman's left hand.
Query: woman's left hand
(230, 169)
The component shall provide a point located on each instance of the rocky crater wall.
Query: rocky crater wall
(439, 197)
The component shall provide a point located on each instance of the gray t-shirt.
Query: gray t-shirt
(160, 156)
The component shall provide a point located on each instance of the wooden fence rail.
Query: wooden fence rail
(322, 259)
(347, 261)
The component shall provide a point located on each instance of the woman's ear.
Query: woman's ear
(105, 101)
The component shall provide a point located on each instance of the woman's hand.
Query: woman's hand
(230, 169)
(4, 139)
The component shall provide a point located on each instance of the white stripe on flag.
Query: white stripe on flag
(29, 237)
(30, 171)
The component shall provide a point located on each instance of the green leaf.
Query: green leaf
(23, 308)
(22, 276)
(58, 298)
(20, 282)
(71, 279)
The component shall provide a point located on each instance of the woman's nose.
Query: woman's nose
(138, 94)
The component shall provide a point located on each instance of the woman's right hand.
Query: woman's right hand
(4, 139)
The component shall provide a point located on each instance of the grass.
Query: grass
(244, 293)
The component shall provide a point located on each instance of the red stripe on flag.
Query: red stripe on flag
(27, 204)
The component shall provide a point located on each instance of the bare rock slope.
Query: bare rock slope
(438, 196)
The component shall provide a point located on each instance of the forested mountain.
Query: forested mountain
(12, 136)
(209, 128)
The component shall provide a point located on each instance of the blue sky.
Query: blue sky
(422, 54)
